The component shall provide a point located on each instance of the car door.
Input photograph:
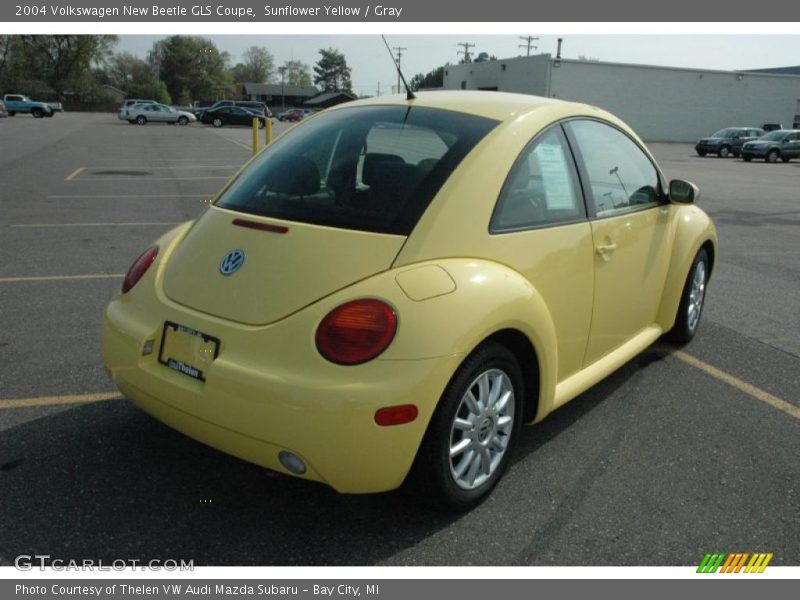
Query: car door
(239, 116)
(791, 146)
(629, 217)
(539, 227)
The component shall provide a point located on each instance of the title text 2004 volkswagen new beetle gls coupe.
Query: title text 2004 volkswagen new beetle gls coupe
(394, 287)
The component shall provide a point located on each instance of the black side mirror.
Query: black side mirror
(683, 192)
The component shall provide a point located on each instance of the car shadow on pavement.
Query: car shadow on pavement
(104, 481)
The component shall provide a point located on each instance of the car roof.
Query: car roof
(494, 105)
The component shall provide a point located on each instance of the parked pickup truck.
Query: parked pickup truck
(17, 103)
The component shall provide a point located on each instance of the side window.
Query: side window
(620, 176)
(541, 188)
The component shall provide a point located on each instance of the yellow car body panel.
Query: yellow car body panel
(451, 283)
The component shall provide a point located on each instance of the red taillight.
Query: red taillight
(139, 268)
(356, 332)
(396, 415)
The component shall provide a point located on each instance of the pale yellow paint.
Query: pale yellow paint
(58, 400)
(743, 386)
(74, 174)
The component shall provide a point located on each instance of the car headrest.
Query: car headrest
(375, 166)
(292, 174)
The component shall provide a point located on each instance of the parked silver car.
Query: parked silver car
(128, 104)
(141, 114)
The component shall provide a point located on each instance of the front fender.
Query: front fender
(693, 229)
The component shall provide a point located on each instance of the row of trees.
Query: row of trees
(178, 69)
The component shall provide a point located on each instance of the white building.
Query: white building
(662, 104)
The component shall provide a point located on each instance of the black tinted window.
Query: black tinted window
(368, 168)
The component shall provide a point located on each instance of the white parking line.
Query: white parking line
(131, 224)
(60, 277)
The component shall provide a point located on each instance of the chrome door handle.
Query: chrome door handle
(604, 249)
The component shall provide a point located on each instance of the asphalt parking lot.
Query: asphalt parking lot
(675, 455)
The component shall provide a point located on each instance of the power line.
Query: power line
(528, 39)
(465, 51)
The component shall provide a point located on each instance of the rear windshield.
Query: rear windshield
(369, 168)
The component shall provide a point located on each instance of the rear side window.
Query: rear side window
(541, 189)
(368, 168)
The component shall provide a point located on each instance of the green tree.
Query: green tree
(257, 66)
(191, 66)
(332, 73)
(431, 79)
(63, 62)
(296, 73)
(136, 78)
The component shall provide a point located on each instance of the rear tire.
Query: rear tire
(141, 120)
(692, 302)
(701, 153)
(472, 433)
(11, 113)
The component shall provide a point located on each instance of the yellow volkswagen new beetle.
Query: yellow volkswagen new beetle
(395, 286)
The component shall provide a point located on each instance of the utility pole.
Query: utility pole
(465, 51)
(379, 89)
(528, 39)
(399, 56)
(282, 71)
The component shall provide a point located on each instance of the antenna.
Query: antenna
(409, 94)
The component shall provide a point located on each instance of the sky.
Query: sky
(370, 63)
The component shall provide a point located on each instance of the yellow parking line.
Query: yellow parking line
(57, 400)
(61, 278)
(747, 388)
(82, 196)
(74, 174)
(151, 224)
(238, 143)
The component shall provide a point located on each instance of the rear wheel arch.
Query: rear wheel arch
(525, 353)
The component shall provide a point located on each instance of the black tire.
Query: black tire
(724, 152)
(50, 114)
(11, 113)
(37, 113)
(141, 120)
(747, 158)
(432, 478)
(786, 158)
(261, 124)
(183, 120)
(686, 327)
(217, 122)
(772, 156)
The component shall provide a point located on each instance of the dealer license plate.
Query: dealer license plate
(187, 350)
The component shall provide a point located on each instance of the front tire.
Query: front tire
(37, 113)
(747, 158)
(471, 435)
(724, 152)
(772, 156)
(692, 300)
(183, 121)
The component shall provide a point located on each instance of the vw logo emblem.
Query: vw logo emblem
(231, 262)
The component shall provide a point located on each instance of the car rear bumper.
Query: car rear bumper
(262, 397)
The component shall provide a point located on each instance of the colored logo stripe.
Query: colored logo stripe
(734, 562)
